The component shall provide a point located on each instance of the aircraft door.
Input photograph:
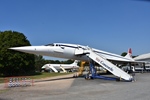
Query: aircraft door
(79, 51)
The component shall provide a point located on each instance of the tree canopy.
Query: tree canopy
(14, 62)
(124, 54)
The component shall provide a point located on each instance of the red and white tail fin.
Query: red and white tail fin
(129, 54)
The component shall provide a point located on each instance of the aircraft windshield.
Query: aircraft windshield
(49, 45)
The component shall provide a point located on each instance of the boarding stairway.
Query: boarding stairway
(106, 64)
(48, 67)
(63, 69)
(54, 69)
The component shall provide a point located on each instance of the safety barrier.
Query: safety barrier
(21, 81)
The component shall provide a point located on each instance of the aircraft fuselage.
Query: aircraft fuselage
(67, 51)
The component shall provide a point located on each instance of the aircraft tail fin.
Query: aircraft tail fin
(129, 54)
(75, 62)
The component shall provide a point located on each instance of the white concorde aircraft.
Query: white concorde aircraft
(80, 52)
(69, 51)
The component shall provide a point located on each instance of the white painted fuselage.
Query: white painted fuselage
(65, 66)
(68, 51)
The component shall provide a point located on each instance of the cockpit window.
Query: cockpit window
(82, 47)
(49, 45)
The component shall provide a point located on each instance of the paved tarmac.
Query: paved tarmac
(68, 88)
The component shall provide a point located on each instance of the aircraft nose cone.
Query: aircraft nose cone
(39, 50)
(26, 48)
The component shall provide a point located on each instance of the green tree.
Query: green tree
(69, 61)
(39, 62)
(14, 62)
(124, 54)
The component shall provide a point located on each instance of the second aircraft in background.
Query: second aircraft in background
(61, 67)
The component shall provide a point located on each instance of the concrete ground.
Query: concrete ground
(68, 88)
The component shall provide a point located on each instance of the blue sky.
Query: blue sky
(110, 25)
